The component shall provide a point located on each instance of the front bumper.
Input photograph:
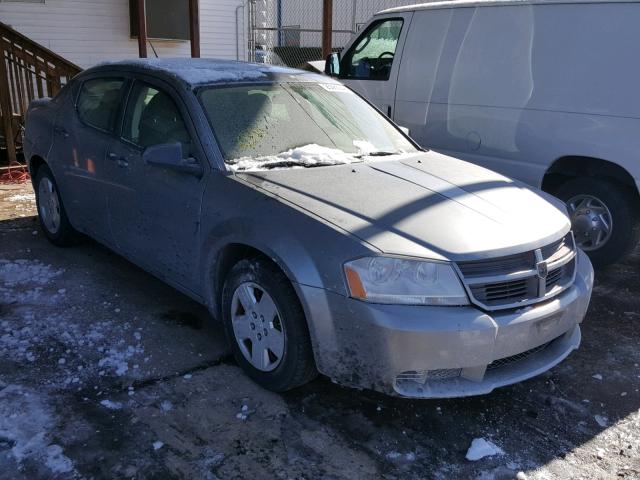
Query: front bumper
(439, 352)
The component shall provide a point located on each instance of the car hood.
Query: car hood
(426, 205)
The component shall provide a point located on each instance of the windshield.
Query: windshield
(297, 125)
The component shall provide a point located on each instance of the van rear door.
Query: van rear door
(371, 63)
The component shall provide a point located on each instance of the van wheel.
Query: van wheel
(51, 213)
(266, 326)
(604, 217)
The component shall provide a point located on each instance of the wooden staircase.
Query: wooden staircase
(27, 71)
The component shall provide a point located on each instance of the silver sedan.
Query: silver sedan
(320, 234)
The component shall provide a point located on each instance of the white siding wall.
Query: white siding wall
(87, 32)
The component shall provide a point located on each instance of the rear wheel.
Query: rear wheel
(604, 217)
(266, 326)
(51, 212)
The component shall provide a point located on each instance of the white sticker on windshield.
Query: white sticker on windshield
(334, 87)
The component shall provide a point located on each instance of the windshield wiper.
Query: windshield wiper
(380, 153)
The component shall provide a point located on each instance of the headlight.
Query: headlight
(401, 281)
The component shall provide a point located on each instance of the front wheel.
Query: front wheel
(604, 217)
(266, 326)
(51, 212)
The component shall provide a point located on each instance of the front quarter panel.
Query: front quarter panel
(307, 249)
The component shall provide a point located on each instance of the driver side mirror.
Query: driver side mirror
(332, 65)
(169, 156)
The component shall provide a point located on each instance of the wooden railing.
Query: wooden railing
(27, 71)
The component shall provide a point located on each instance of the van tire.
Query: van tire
(623, 205)
(296, 365)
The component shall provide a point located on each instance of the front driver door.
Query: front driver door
(370, 65)
(155, 211)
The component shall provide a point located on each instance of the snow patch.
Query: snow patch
(601, 420)
(111, 405)
(397, 456)
(22, 197)
(307, 156)
(481, 448)
(27, 421)
(158, 445)
(26, 272)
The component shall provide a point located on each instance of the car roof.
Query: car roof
(204, 71)
(490, 3)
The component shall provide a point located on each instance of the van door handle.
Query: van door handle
(61, 131)
(389, 111)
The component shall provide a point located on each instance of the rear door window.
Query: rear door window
(99, 101)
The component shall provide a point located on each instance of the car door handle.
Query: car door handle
(120, 160)
(61, 131)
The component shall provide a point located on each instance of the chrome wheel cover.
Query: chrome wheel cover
(257, 326)
(591, 221)
(49, 205)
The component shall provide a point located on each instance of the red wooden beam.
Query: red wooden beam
(142, 29)
(327, 26)
(194, 28)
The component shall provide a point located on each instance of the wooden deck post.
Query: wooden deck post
(194, 28)
(142, 29)
(6, 108)
(327, 27)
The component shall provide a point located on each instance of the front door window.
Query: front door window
(371, 58)
(153, 118)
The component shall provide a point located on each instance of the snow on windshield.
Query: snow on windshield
(311, 155)
(307, 156)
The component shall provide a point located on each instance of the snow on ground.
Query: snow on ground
(17, 201)
(37, 321)
(23, 197)
(27, 422)
(481, 448)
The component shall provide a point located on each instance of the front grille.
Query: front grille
(526, 278)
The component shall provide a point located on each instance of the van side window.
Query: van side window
(99, 101)
(371, 57)
(153, 118)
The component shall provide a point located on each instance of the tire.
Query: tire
(623, 206)
(280, 370)
(51, 213)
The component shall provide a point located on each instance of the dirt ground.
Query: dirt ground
(105, 372)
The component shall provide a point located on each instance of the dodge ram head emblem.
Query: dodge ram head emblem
(542, 269)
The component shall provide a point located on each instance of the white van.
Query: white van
(544, 92)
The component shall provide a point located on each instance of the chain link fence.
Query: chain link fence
(289, 32)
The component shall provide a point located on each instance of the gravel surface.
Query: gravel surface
(105, 372)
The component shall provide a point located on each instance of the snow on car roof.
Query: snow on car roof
(200, 71)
